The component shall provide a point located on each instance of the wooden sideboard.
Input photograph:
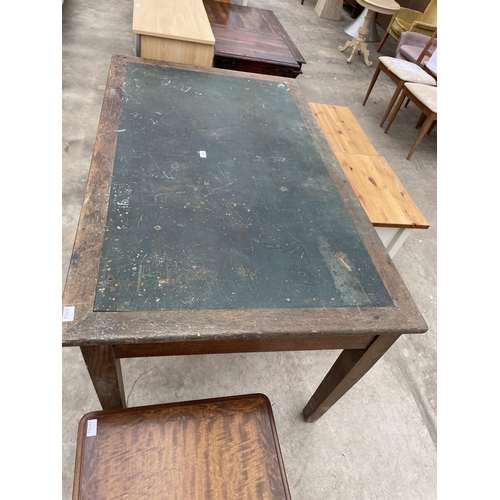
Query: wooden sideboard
(175, 31)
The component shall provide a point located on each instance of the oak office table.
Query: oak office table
(216, 219)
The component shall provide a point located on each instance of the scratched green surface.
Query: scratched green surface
(257, 223)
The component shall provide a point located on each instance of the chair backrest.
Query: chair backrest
(430, 13)
(431, 64)
(428, 49)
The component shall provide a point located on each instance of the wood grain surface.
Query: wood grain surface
(180, 51)
(342, 130)
(252, 40)
(250, 18)
(223, 448)
(250, 45)
(176, 19)
(381, 193)
(383, 196)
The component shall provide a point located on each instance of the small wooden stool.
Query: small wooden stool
(224, 448)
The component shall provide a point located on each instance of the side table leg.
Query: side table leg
(358, 44)
(106, 375)
(349, 43)
(350, 366)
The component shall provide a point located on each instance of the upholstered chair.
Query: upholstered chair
(425, 98)
(411, 20)
(401, 72)
(410, 47)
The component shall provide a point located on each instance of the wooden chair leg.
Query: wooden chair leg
(425, 127)
(431, 128)
(395, 112)
(384, 38)
(391, 103)
(372, 83)
(420, 120)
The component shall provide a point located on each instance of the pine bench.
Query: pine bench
(385, 200)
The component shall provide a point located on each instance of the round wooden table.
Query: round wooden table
(358, 44)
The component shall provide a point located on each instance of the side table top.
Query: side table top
(381, 6)
(218, 448)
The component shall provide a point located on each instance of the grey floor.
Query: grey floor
(379, 440)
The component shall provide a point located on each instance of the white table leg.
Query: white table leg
(392, 238)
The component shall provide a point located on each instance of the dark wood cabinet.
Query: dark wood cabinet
(252, 40)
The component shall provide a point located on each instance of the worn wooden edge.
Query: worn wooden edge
(393, 281)
(293, 48)
(228, 325)
(237, 345)
(86, 253)
(77, 474)
(275, 61)
(141, 409)
(151, 326)
(401, 226)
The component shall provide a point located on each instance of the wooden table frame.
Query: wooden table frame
(364, 334)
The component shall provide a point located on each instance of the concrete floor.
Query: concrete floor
(379, 440)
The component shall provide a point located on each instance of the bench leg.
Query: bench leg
(106, 375)
(350, 366)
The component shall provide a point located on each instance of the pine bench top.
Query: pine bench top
(384, 198)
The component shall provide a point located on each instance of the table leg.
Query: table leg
(358, 44)
(350, 366)
(353, 28)
(106, 375)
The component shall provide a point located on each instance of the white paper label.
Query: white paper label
(203, 154)
(91, 427)
(69, 313)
